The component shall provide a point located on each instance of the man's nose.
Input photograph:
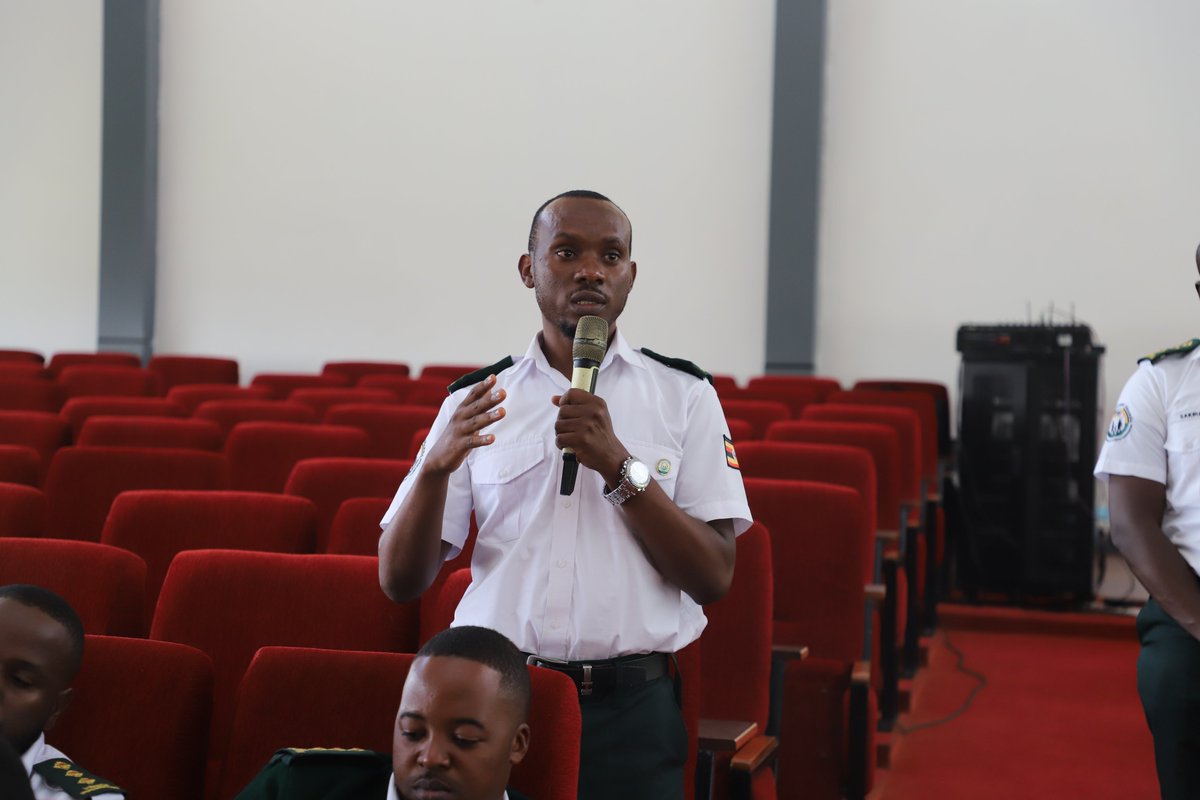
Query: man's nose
(435, 753)
(589, 268)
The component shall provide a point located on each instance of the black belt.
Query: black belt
(605, 675)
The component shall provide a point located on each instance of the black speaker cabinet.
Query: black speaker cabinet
(1027, 446)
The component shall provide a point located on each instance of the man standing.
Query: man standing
(606, 582)
(1151, 460)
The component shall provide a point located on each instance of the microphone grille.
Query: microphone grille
(591, 338)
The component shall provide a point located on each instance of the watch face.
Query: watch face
(639, 474)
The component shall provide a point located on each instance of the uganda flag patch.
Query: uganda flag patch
(731, 454)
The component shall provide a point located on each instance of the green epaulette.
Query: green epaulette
(1178, 350)
(680, 364)
(291, 755)
(74, 779)
(472, 378)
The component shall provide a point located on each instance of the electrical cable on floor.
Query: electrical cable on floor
(960, 665)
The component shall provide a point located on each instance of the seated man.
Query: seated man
(41, 648)
(459, 730)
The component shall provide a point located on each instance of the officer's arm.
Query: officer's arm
(1136, 508)
(411, 550)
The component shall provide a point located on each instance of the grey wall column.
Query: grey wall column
(795, 185)
(129, 176)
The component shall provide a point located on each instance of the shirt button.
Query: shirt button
(554, 626)
(504, 472)
(567, 503)
(562, 564)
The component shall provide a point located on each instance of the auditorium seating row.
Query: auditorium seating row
(877, 459)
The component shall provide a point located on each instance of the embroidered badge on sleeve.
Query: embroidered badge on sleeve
(1121, 424)
(731, 454)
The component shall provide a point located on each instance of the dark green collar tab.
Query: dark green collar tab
(74, 779)
(1178, 350)
(680, 364)
(472, 378)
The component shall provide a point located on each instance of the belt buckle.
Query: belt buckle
(536, 660)
(585, 686)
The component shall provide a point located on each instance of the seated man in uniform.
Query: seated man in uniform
(41, 648)
(459, 731)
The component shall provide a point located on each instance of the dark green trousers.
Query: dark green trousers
(634, 744)
(1169, 684)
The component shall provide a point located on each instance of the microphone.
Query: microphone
(591, 343)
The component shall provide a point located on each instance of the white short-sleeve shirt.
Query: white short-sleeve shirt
(564, 577)
(40, 752)
(1155, 434)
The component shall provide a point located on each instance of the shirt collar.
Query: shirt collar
(31, 756)
(617, 348)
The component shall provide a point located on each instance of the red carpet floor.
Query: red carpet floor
(1058, 716)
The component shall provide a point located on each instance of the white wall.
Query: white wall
(50, 95)
(357, 179)
(984, 157)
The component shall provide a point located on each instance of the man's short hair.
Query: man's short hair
(586, 194)
(54, 607)
(490, 648)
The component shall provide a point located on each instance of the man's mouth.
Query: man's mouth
(588, 300)
(431, 788)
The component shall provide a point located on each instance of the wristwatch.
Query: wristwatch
(635, 477)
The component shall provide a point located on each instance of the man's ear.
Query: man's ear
(64, 699)
(632, 273)
(525, 267)
(520, 744)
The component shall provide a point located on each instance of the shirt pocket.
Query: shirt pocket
(505, 480)
(1183, 453)
(663, 460)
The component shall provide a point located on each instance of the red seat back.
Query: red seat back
(190, 396)
(759, 413)
(327, 482)
(356, 370)
(823, 386)
(158, 524)
(269, 718)
(23, 370)
(84, 481)
(903, 421)
(389, 427)
(60, 361)
(175, 371)
(230, 603)
(446, 373)
(281, 384)
(78, 409)
(261, 454)
(43, 431)
(87, 381)
(924, 407)
(169, 432)
(104, 585)
(941, 402)
(30, 394)
(139, 716)
(321, 400)
(18, 356)
(20, 464)
(796, 398)
(437, 612)
(22, 510)
(355, 528)
(228, 414)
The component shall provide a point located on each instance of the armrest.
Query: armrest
(861, 673)
(888, 535)
(789, 652)
(875, 592)
(754, 754)
(718, 735)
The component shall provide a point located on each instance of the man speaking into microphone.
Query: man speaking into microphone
(602, 578)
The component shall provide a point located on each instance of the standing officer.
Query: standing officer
(607, 582)
(1151, 460)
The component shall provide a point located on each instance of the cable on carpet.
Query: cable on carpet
(960, 665)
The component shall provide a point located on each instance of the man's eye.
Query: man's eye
(464, 742)
(412, 736)
(565, 252)
(613, 257)
(21, 682)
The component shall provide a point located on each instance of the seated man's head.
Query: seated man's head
(461, 724)
(41, 647)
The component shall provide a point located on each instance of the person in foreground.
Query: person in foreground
(459, 730)
(1151, 461)
(41, 649)
(603, 582)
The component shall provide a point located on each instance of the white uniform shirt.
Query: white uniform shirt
(38, 752)
(1155, 434)
(564, 577)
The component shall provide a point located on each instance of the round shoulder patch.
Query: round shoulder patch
(1121, 424)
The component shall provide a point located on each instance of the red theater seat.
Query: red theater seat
(230, 413)
(281, 384)
(355, 528)
(22, 510)
(823, 386)
(159, 524)
(327, 482)
(446, 373)
(759, 413)
(183, 434)
(20, 464)
(269, 718)
(390, 428)
(60, 361)
(104, 585)
(262, 454)
(175, 371)
(445, 599)
(18, 356)
(230, 603)
(78, 409)
(86, 381)
(23, 370)
(321, 400)
(43, 431)
(139, 715)
(796, 398)
(190, 396)
(30, 394)
(354, 371)
(84, 481)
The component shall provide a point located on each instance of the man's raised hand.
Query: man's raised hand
(480, 408)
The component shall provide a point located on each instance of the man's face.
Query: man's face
(35, 667)
(581, 263)
(456, 735)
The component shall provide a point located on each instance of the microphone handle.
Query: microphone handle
(583, 376)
